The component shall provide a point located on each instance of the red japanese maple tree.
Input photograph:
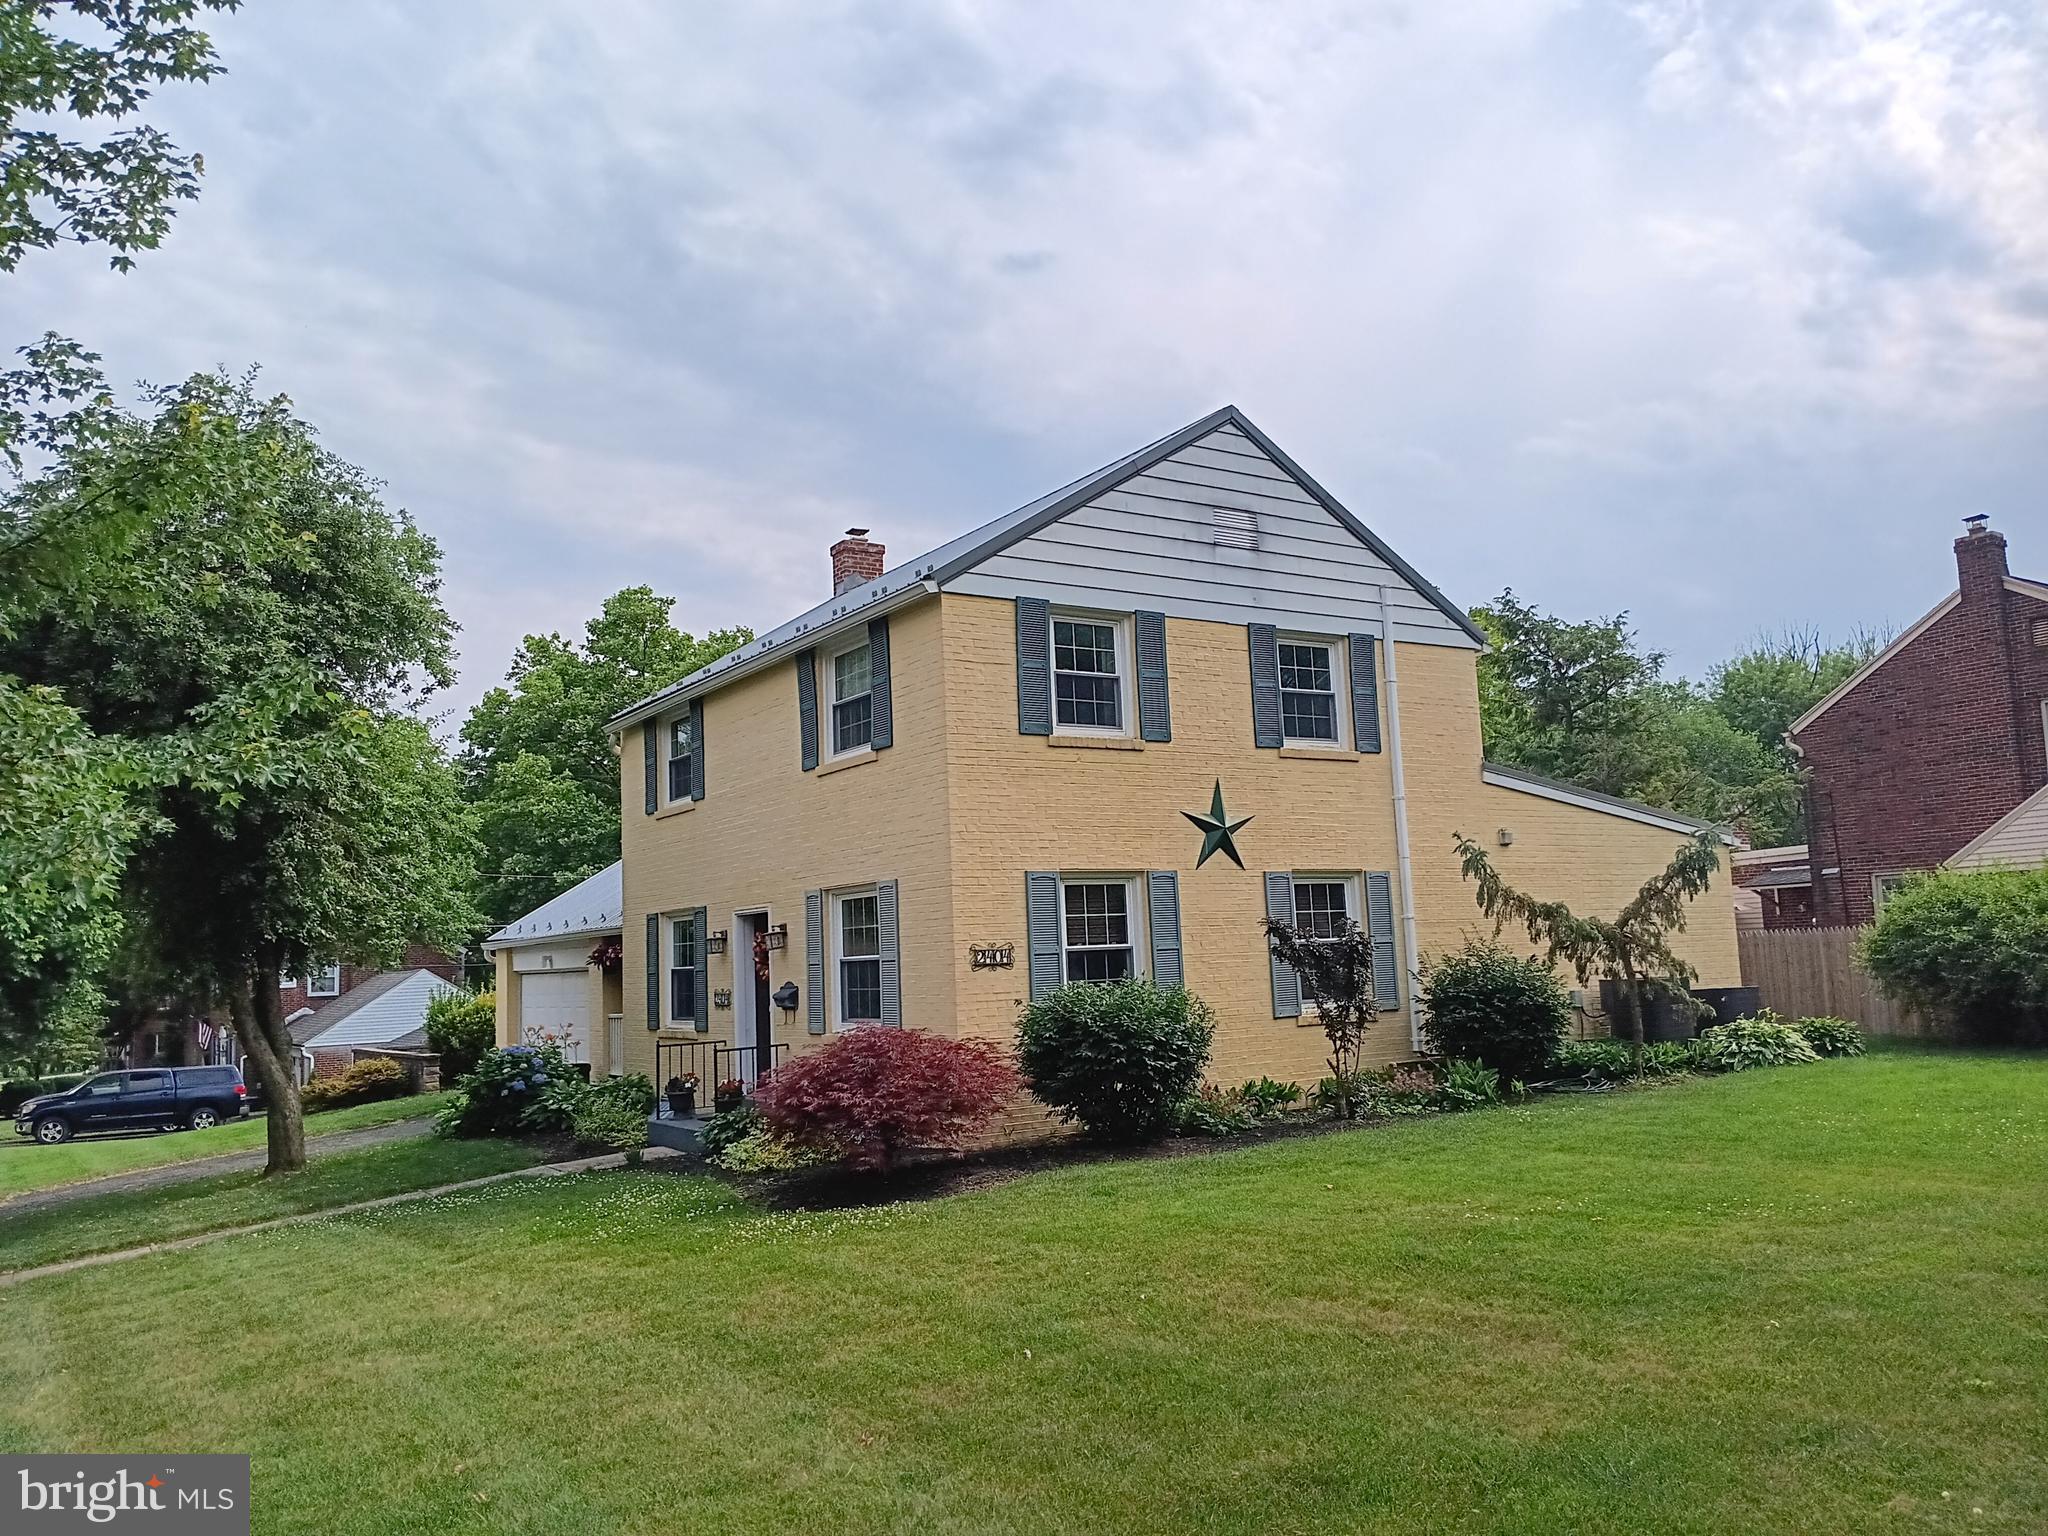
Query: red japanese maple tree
(872, 1094)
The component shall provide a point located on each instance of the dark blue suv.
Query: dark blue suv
(161, 1098)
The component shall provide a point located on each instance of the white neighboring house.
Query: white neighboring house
(558, 973)
(388, 1012)
(2017, 840)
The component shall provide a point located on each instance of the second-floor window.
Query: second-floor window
(682, 743)
(853, 704)
(1088, 675)
(1310, 674)
(324, 981)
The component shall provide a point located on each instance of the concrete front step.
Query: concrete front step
(680, 1135)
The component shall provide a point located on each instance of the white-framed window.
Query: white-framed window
(849, 682)
(1326, 905)
(1100, 929)
(856, 938)
(682, 747)
(324, 981)
(1882, 885)
(1313, 691)
(684, 956)
(1091, 674)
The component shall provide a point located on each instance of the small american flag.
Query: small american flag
(205, 1035)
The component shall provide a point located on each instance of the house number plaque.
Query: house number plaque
(992, 957)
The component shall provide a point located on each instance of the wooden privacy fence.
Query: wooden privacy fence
(1805, 973)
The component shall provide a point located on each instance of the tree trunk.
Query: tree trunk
(259, 1024)
(1632, 995)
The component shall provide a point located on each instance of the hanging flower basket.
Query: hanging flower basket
(609, 955)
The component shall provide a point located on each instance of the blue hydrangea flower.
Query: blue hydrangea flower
(519, 1085)
(540, 1077)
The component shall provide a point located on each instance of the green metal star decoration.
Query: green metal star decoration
(1218, 830)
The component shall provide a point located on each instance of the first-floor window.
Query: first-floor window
(1323, 906)
(1096, 930)
(682, 968)
(858, 942)
(1883, 886)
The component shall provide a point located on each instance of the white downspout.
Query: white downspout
(1401, 859)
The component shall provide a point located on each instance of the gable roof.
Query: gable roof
(1501, 776)
(592, 905)
(381, 1011)
(2018, 839)
(918, 578)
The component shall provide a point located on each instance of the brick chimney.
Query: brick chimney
(1980, 561)
(856, 559)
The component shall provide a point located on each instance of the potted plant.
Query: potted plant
(729, 1095)
(682, 1095)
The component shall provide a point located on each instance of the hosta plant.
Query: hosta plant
(1832, 1036)
(1764, 1041)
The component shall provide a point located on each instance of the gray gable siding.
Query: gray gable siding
(1150, 541)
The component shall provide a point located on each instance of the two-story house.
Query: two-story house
(960, 782)
(1935, 742)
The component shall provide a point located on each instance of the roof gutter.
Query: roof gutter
(698, 685)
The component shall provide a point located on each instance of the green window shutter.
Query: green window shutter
(1286, 983)
(880, 699)
(1034, 666)
(1365, 693)
(1155, 705)
(892, 963)
(654, 970)
(1042, 926)
(700, 1008)
(649, 750)
(1265, 648)
(696, 749)
(814, 961)
(1162, 900)
(1379, 922)
(807, 706)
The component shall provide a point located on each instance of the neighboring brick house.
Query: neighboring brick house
(1940, 736)
(324, 985)
(956, 784)
(1773, 887)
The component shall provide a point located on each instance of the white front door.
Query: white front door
(553, 1005)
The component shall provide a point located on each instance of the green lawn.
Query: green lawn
(24, 1165)
(1810, 1300)
(102, 1223)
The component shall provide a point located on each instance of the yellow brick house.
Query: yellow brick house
(960, 781)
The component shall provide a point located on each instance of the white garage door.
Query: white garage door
(552, 1003)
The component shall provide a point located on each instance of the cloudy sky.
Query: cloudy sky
(1720, 311)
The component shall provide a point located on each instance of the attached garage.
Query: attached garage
(556, 1004)
(558, 974)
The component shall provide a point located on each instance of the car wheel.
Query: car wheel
(204, 1118)
(52, 1130)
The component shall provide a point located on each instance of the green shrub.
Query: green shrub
(1401, 1090)
(1334, 1100)
(18, 1092)
(520, 1088)
(1488, 1005)
(363, 1082)
(461, 1026)
(1970, 946)
(1764, 1041)
(1118, 1057)
(606, 1121)
(1832, 1037)
(730, 1126)
(1214, 1112)
(1468, 1085)
(760, 1150)
(1614, 1061)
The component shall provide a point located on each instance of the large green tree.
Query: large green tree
(67, 67)
(538, 765)
(256, 631)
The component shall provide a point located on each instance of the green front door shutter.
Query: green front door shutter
(814, 961)
(1286, 982)
(1265, 649)
(654, 970)
(1162, 902)
(1379, 922)
(892, 964)
(1042, 927)
(700, 1004)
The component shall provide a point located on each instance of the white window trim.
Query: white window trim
(1134, 905)
(1353, 882)
(668, 755)
(669, 924)
(835, 943)
(1340, 688)
(1878, 894)
(829, 724)
(1126, 669)
(313, 976)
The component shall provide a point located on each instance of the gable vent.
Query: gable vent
(1235, 528)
